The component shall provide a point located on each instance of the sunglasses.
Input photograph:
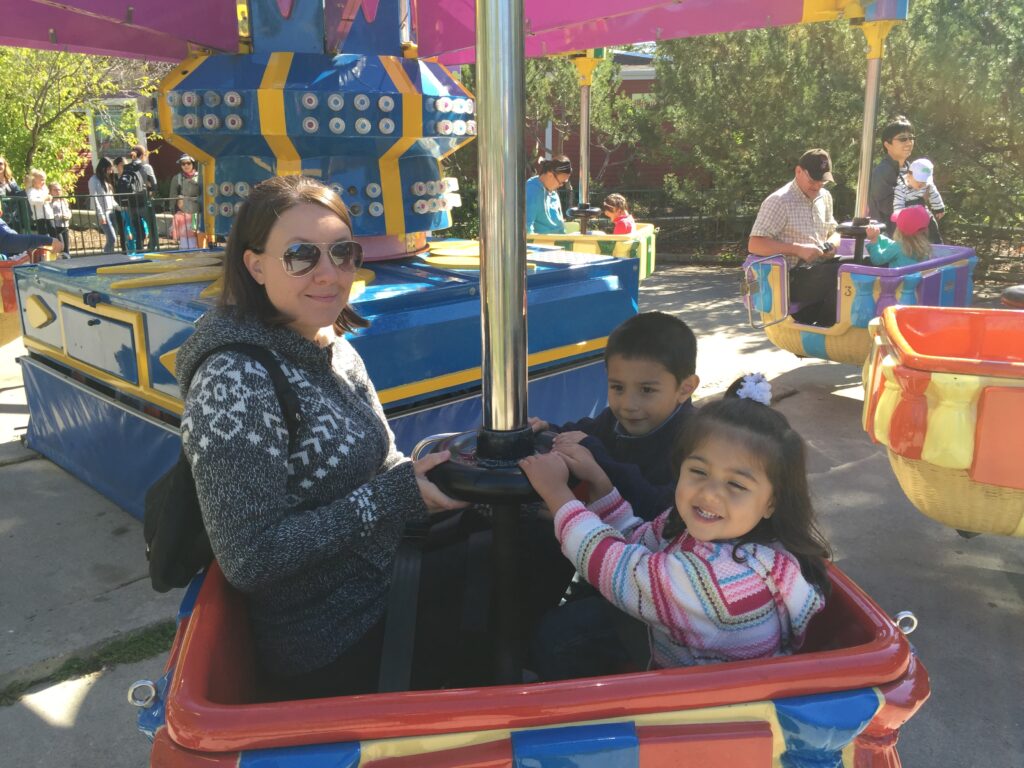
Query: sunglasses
(301, 258)
(906, 137)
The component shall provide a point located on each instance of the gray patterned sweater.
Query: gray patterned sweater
(311, 537)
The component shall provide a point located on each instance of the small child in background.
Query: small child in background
(182, 229)
(61, 217)
(917, 187)
(911, 243)
(40, 203)
(734, 569)
(651, 361)
(614, 208)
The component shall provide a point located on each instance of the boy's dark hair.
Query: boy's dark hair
(781, 448)
(257, 216)
(897, 125)
(656, 336)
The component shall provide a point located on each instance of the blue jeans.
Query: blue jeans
(108, 231)
(585, 638)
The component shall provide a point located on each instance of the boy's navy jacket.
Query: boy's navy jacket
(639, 467)
(11, 242)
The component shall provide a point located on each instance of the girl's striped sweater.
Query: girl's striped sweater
(702, 606)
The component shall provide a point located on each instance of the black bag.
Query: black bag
(131, 186)
(177, 546)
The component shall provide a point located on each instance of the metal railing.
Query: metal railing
(138, 225)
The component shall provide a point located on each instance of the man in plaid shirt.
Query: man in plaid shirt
(796, 221)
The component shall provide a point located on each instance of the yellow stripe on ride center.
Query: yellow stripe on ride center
(412, 130)
(273, 124)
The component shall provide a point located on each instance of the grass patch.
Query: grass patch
(136, 646)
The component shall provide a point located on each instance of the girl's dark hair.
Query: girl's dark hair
(252, 226)
(616, 202)
(768, 435)
(557, 164)
(104, 169)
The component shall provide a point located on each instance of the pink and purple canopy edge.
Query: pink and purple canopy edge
(168, 29)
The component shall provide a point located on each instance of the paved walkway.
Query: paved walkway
(72, 571)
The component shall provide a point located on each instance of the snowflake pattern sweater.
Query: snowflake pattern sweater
(311, 537)
(700, 604)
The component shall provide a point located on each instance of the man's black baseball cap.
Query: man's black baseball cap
(817, 163)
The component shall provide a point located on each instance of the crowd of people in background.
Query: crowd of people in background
(122, 199)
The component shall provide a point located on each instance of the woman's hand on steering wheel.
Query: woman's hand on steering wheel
(433, 497)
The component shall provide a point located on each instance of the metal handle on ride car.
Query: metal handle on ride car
(423, 446)
(906, 622)
(142, 693)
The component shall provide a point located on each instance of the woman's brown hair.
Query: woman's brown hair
(253, 223)
(5, 174)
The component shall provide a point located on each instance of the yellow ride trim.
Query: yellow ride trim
(209, 165)
(144, 390)
(470, 375)
(412, 129)
(273, 124)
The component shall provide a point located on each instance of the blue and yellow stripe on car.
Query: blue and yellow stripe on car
(805, 730)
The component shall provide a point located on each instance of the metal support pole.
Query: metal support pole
(867, 137)
(875, 33)
(584, 193)
(500, 103)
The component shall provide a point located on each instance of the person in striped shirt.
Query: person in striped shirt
(917, 187)
(734, 570)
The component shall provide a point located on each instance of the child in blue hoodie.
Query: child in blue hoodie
(651, 360)
(911, 243)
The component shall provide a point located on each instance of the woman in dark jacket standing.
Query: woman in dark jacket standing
(309, 537)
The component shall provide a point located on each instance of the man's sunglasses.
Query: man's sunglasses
(906, 137)
(301, 258)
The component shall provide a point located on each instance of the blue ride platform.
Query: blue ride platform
(104, 402)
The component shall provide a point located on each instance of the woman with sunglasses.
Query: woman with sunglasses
(898, 143)
(543, 206)
(309, 537)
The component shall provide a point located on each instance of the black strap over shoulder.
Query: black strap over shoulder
(286, 395)
(177, 545)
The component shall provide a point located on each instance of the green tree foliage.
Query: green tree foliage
(738, 109)
(44, 101)
(957, 70)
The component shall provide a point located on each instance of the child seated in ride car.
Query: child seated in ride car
(911, 243)
(651, 360)
(614, 207)
(734, 569)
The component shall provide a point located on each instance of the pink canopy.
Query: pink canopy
(446, 27)
(166, 29)
(140, 29)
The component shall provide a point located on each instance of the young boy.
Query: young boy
(917, 187)
(651, 360)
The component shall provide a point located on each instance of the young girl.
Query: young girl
(40, 203)
(61, 217)
(911, 243)
(735, 570)
(181, 227)
(614, 208)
